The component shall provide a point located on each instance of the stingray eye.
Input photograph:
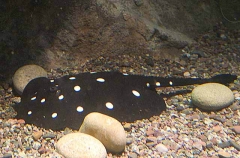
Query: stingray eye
(54, 88)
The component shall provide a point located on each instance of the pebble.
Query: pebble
(127, 126)
(133, 155)
(225, 144)
(129, 141)
(186, 74)
(36, 145)
(197, 145)
(236, 129)
(80, 145)
(161, 148)
(106, 129)
(212, 96)
(49, 135)
(8, 155)
(37, 135)
(223, 154)
(235, 145)
(217, 128)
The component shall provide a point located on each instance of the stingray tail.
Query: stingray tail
(169, 82)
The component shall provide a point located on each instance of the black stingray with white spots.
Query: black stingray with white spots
(64, 102)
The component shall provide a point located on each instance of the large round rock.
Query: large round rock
(212, 96)
(106, 129)
(80, 145)
(25, 74)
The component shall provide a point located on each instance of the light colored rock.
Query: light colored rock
(80, 145)
(161, 148)
(212, 96)
(37, 135)
(25, 74)
(106, 129)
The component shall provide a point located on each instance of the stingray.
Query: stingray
(64, 102)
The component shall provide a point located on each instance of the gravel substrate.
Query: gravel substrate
(181, 131)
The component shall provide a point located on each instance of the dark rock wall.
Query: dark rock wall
(57, 33)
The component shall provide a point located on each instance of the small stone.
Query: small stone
(186, 74)
(28, 148)
(236, 129)
(127, 126)
(106, 129)
(42, 150)
(212, 96)
(37, 135)
(129, 141)
(132, 155)
(8, 155)
(224, 144)
(217, 128)
(21, 121)
(75, 144)
(161, 148)
(22, 154)
(150, 132)
(179, 108)
(235, 145)
(197, 145)
(209, 145)
(49, 135)
(36, 145)
(223, 154)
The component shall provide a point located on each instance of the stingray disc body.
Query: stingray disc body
(65, 102)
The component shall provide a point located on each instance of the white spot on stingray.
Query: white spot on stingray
(158, 84)
(93, 72)
(54, 115)
(43, 100)
(34, 98)
(77, 88)
(148, 85)
(72, 78)
(79, 109)
(52, 81)
(109, 105)
(61, 97)
(170, 82)
(136, 93)
(29, 113)
(125, 74)
(100, 80)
